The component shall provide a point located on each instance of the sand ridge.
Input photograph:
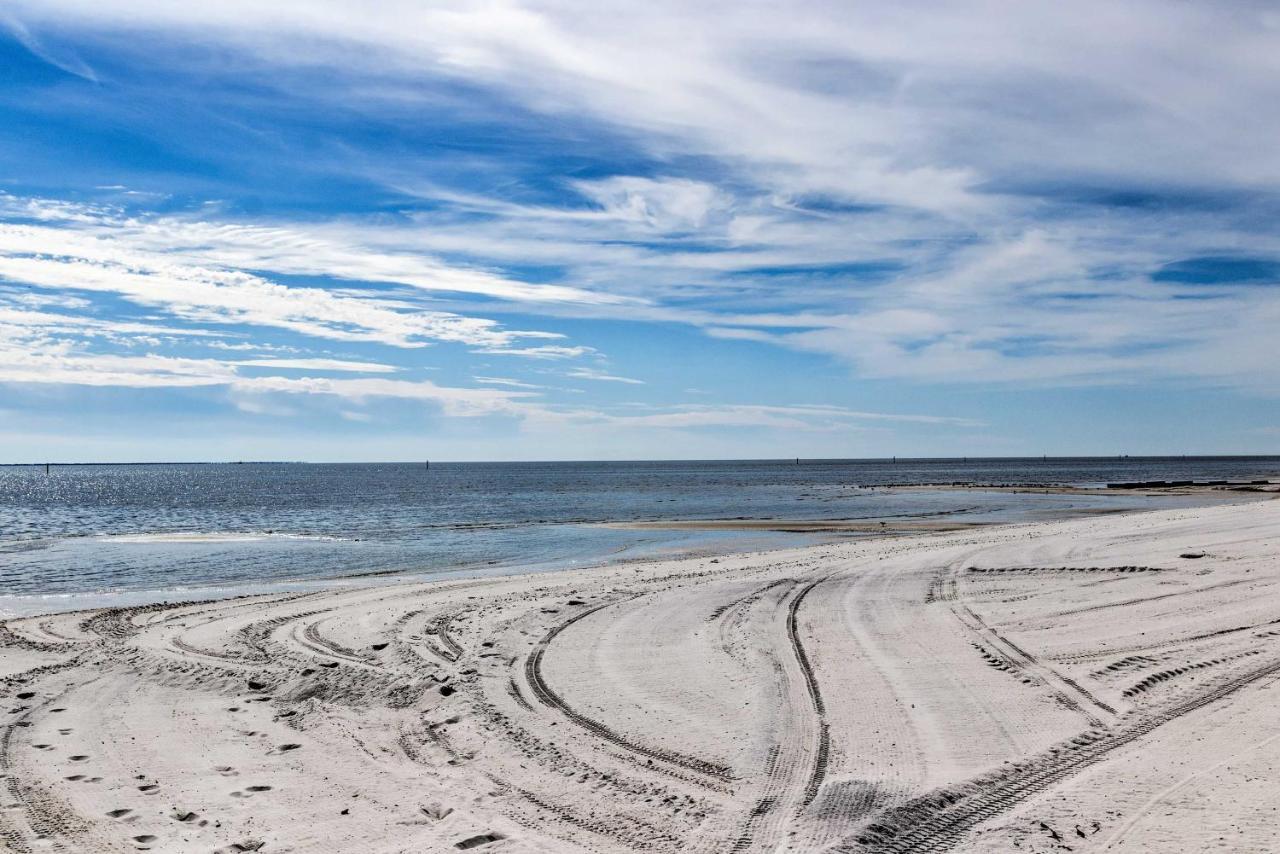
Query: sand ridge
(1096, 684)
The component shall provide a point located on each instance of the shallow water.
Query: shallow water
(178, 529)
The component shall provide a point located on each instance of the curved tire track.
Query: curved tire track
(548, 697)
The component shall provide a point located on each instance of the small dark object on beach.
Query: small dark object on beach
(1192, 555)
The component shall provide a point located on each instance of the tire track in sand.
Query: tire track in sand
(548, 697)
(33, 820)
(938, 820)
(791, 783)
(822, 748)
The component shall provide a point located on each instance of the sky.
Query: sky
(326, 230)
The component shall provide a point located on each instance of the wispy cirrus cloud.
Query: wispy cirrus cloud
(601, 376)
(161, 274)
(26, 357)
(805, 417)
(340, 365)
(67, 61)
(29, 358)
(929, 194)
(508, 382)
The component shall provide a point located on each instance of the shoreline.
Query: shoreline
(1148, 488)
(884, 528)
(26, 605)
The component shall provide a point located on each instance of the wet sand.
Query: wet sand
(1104, 683)
(804, 526)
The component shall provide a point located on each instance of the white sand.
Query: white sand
(873, 696)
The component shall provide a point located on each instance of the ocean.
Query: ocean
(81, 535)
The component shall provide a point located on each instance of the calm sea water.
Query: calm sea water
(179, 529)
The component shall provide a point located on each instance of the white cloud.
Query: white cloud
(30, 356)
(505, 381)
(104, 235)
(66, 260)
(250, 347)
(547, 351)
(457, 402)
(34, 361)
(814, 417)
(600, 376)
(51, 323)
(65, 60)
(320, 365)
(665, 205)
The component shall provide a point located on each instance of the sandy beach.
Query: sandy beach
(1102, 683)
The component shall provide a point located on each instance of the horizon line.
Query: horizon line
(789, 460)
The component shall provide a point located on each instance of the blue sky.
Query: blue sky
(305, 230)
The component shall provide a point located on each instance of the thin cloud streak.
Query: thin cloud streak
(600, 376)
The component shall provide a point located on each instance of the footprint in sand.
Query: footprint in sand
(285, 748)
(26, 695)
(226, 771)
(79, 757)
(251, 791)
(43, 746)
(145, 839)
(185, 817)
(241, 847)
(74, 778)
(150, 788)
(478, 841)
(120, 813)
